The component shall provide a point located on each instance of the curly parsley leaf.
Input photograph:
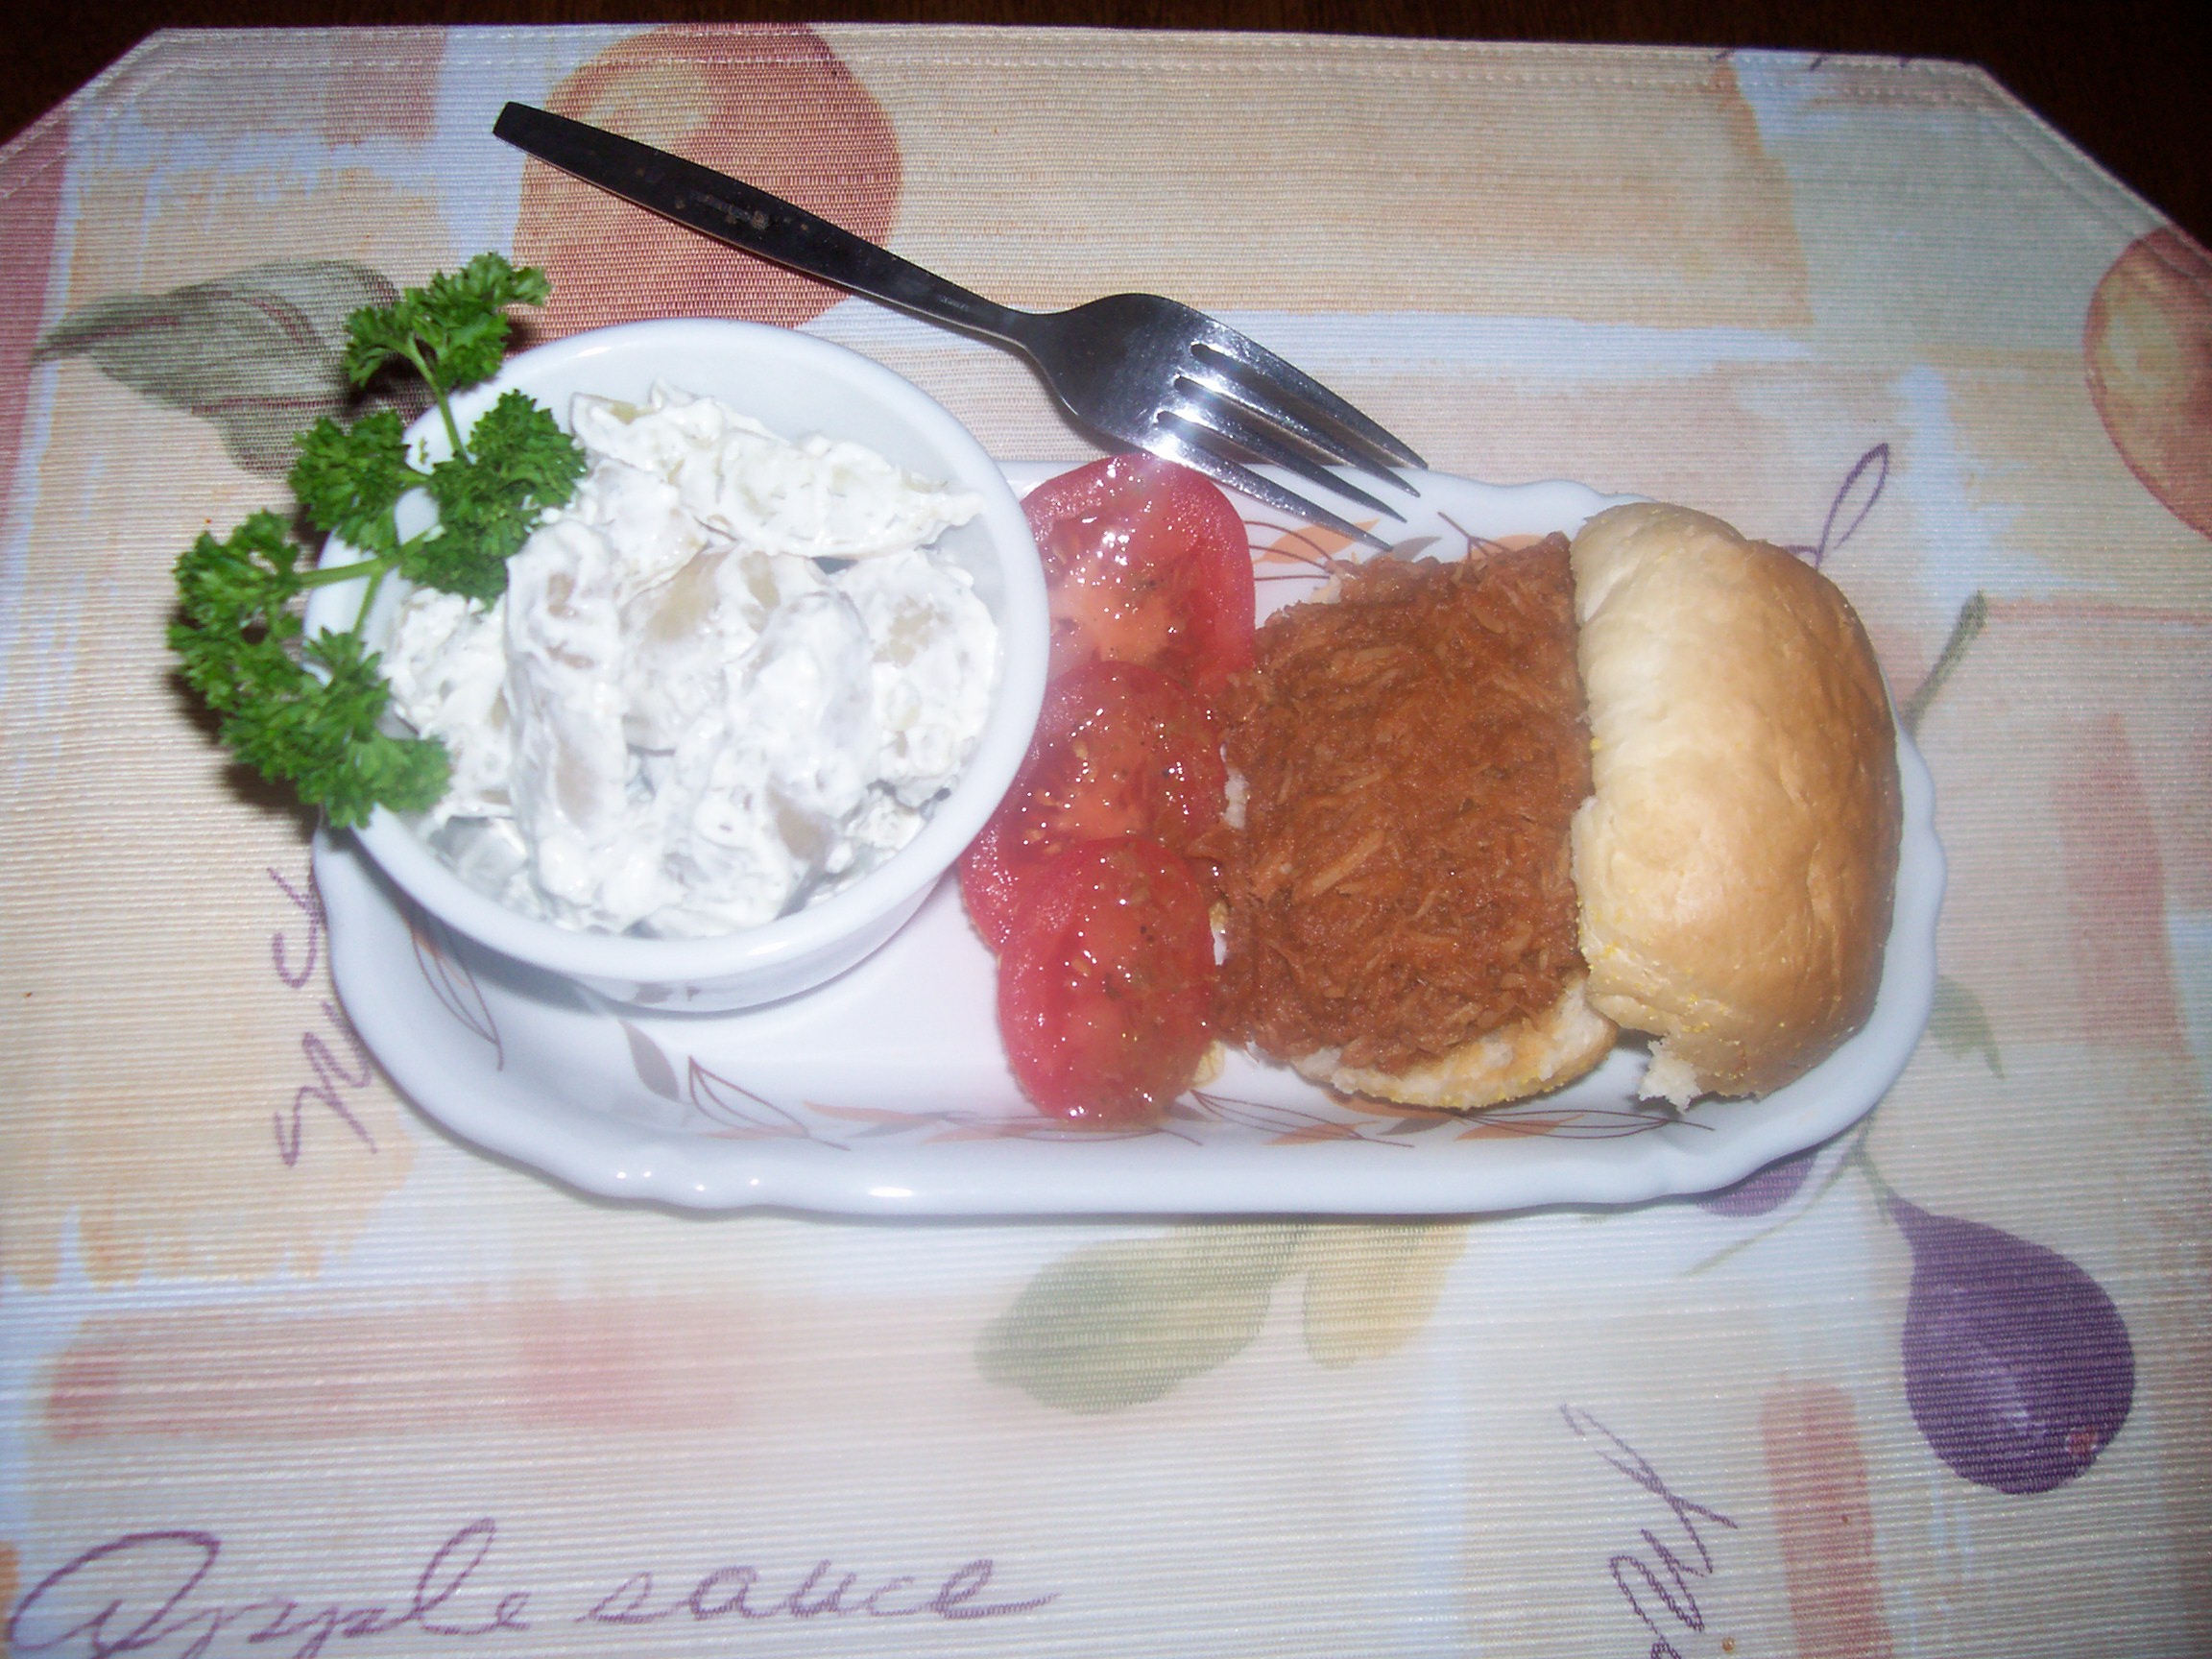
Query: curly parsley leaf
(233, 617)
(519, 464)
(310, 711)
(350, 478)
(238, 643)
(453, 329)
(353, 766)
(519, 441)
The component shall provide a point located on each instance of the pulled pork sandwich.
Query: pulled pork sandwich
(1492, 810)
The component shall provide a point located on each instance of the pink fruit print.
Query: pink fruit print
(772, 106)
(1825, 1520)
(24, 261)
(2148, 345)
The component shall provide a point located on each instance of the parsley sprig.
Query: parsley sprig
(307, 711)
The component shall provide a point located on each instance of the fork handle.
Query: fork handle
(730, 210)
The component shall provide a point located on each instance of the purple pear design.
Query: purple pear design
(1767, 1189)
(2018, 1368)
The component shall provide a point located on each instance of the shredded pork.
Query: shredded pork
(1411, 754)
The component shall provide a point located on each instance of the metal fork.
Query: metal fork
(1139, 369)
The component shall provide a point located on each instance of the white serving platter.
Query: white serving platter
(887, 1091)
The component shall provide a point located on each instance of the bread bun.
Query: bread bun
(1527, 1057)
(1736, 859)
(1731, 866)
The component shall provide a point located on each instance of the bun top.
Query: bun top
(1737, 857)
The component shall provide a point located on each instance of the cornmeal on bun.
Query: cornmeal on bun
(1493, 810)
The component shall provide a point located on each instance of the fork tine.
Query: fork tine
(1226, 422)
(1170, 441)
(1329, 411)
(1269, 420)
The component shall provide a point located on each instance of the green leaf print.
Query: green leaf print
(1120, 1324)
(1370, 1287)
(1961, 1025)
(1966, 628)
(1116, 1325)
(259, 354)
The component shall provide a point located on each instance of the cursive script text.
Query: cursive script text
(155, 1594)
(1658, 1577)
(328, 1077)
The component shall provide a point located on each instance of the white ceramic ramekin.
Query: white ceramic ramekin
(795, 385)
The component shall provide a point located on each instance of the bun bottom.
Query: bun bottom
(1529, 1057)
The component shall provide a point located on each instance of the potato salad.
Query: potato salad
(726, 681)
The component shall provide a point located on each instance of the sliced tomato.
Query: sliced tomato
(1105, 983)
(1146, 563)
(1120, 751)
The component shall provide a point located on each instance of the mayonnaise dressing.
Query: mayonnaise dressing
(676, 722)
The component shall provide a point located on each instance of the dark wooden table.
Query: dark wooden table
(2132, 84)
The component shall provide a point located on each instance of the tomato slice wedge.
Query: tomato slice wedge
(1120, 751)
(1104, 987)
(1146, 563)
